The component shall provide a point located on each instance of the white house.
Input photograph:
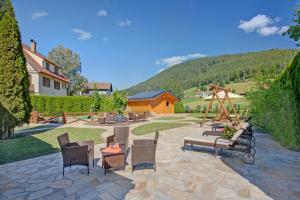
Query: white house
(46, 77)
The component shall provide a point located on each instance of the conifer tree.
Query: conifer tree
(15, 104)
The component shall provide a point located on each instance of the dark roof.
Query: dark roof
(146, 95)
(99, 86)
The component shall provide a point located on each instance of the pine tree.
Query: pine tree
(15, 104)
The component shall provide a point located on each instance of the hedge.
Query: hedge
(178, 107)
(51, 104)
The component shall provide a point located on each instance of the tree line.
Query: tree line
(219, 70)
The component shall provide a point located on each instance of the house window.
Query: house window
(63, 86)
(47, 66)
(167, 103)
(46, 82)
(56, 70)
(56, 85)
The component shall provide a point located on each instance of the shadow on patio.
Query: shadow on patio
(276, 170)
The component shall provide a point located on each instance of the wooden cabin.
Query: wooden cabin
(159, 102)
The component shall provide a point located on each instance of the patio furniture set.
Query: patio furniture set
(115, 154)
(111, 118)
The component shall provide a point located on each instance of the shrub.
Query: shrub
(120, 101)
(204, 108)
(198, 109)
(228, 132)
(215, 108)
(228, 108)
(178, 107)
(187, 109)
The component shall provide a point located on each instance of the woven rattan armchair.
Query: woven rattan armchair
(143, 151)
(121, 134)
(76, 153)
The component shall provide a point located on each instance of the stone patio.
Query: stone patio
(180, 174)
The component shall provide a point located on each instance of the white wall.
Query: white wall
(51, 91)
(34, 78)
(37, 79)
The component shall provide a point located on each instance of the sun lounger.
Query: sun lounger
(220, 143)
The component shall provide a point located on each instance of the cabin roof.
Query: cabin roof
(148, 95)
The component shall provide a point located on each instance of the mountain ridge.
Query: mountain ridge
(224, 68)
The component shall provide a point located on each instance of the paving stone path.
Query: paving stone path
(197, 174)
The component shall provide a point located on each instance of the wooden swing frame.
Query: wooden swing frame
(220, 115)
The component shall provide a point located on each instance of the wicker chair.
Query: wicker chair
(131, 116)
(121, 134)
(110, 118)
(76, 153)
(143, 151)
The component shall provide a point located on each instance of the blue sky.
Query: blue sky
(126, 42)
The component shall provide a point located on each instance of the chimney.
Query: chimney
(33, 45)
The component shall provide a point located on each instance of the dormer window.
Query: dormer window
(56, 70)
(48, 66)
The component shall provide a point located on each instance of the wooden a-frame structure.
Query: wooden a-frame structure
(222, 113)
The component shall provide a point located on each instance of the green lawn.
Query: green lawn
(152, 127)
(170, 118)
(241, 87)
(43, 143)
(242, 101)
(190, 92)
(190, 100)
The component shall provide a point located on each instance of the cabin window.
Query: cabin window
(56, 70)
(46, 82)
(47, 66)
(167, 103)
(56, 85)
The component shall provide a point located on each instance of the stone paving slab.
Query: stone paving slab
(197, 174)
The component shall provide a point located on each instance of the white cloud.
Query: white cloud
(257, 22)
(39, 14)
(266, 31)
(263, 25)
(83, 35)
(102, 13)
(173, 60)
(283, 29)
(127, 22)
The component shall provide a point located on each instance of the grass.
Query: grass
(242, 101)
(190, 100)
(170, 118)
(43, 143)
(241, 87)
(152, 127)
(190, 92)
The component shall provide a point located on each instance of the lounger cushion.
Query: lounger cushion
(207, 141)
(237, 134)
(245, 125)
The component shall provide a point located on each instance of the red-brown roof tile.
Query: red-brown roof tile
(30, 60)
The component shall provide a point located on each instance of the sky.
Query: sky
(128, 41)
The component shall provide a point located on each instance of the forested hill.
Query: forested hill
(219, 69)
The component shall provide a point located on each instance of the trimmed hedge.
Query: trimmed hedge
(51, 104)
(276, 106)
(178, 107)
